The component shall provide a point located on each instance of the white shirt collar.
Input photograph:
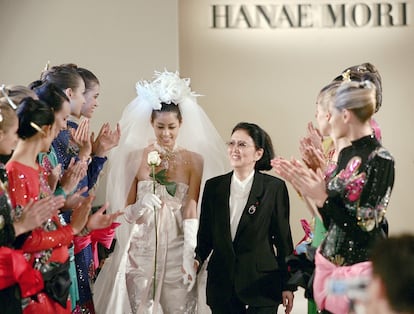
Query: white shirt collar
(243, 184)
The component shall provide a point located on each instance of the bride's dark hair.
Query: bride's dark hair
(171, 107)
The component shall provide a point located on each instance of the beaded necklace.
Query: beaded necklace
(168, 157)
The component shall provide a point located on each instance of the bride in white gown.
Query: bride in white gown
(151, 272)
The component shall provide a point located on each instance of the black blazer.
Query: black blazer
(248, 265)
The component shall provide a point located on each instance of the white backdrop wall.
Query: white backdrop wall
(120, 41)
(271, 76)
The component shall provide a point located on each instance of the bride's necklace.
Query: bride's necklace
(168, 157)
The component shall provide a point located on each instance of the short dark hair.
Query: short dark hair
(392, 261)
(261, 140)
(51, 95)
(35, 111)
(64, 76)
(88, 77)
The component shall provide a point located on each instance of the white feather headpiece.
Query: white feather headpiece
(167, 87)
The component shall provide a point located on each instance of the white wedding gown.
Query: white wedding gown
(125, 284)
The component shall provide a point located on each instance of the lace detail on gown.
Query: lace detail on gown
(125, 280)
(171, 293)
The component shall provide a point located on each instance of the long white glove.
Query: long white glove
(147, 203)
(190, 227)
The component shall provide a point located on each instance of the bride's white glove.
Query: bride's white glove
(148, 202)
(190, 227)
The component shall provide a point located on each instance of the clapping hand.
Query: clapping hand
(313, 158)
(73, 200)
(34, 214)
(311, 149)
(99, 220)
(80, 214)
(106, 140)
(307, 182)
(83, 139)
(314, 136)
(73, 174)
(54, 176)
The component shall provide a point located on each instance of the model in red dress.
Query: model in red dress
(46, 247)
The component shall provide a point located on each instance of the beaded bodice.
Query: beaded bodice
(358, 195)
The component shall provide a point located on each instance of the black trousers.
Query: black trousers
(10, 300)
(235, 306)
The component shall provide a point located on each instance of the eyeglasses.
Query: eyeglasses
(239, 144)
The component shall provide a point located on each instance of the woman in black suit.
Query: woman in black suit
(244, 221)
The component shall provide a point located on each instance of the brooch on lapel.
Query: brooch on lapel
(252, 208)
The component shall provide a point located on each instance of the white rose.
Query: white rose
(154, 158)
